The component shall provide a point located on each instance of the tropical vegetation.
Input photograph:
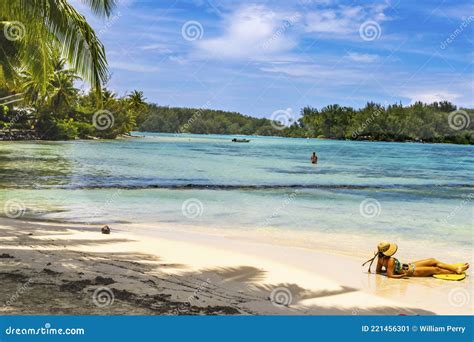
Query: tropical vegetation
(436, 122)
(42, 62)
(46, 46)
(203, 121)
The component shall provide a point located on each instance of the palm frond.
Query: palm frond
(101, 7)
(51, 25)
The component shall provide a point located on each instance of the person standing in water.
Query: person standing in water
(314, 158)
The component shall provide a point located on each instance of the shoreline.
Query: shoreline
(130, 135)
(170, 271)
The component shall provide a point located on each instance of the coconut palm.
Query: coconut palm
(33, 30)
(136, 99)
(137, 105)
(60, 90)
(108, 97)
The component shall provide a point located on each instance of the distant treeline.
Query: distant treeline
(203, 121)
(39, 98)
(436, 122)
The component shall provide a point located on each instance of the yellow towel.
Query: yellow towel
(451, 276)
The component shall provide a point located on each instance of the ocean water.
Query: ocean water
(420, 193)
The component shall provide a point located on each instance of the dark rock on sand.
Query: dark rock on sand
(103, 281)
(79, 285)
(6, 256)
(75, 286)
(16, 277)
(50, 272)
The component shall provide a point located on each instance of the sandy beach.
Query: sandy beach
(57, 268)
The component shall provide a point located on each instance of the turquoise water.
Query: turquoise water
(409, 191)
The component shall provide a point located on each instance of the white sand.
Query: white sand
(175, 271)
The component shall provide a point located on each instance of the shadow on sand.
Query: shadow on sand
(41, 275)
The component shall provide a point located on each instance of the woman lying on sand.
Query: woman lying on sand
(421, 268)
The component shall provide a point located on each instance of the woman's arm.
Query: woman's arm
(378, 270)
(391, 270)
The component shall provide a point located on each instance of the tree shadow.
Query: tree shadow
(53, 278)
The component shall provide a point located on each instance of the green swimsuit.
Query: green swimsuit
(408, 268)
(398, 266)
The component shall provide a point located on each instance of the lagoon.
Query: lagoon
(358, 192)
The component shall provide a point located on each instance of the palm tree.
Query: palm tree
(35, 29)
(137, 105)
(108, 97)
(136, 99)
(60, 90)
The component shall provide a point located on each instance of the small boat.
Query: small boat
(240, 140)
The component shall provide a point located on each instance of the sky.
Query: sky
(261, 57)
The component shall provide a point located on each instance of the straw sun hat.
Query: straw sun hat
(384, 248)
(387, 248)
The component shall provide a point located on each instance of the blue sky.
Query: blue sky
(258, 57)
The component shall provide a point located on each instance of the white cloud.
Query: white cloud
(343, 20)
(163, 48)
(327, 21)
(135, 67)
(320, 74)
(452, 11)
(362, 57)
(316, 2)
(432, 96)
(252, 31)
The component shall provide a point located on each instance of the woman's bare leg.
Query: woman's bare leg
(463, 268)
(428, 271)
(435, 263)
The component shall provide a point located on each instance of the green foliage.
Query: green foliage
(418, 122)
(39, 29)
(203, 121)
(84, 130)
(435, 122)
(66, 129)
(65, 114)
